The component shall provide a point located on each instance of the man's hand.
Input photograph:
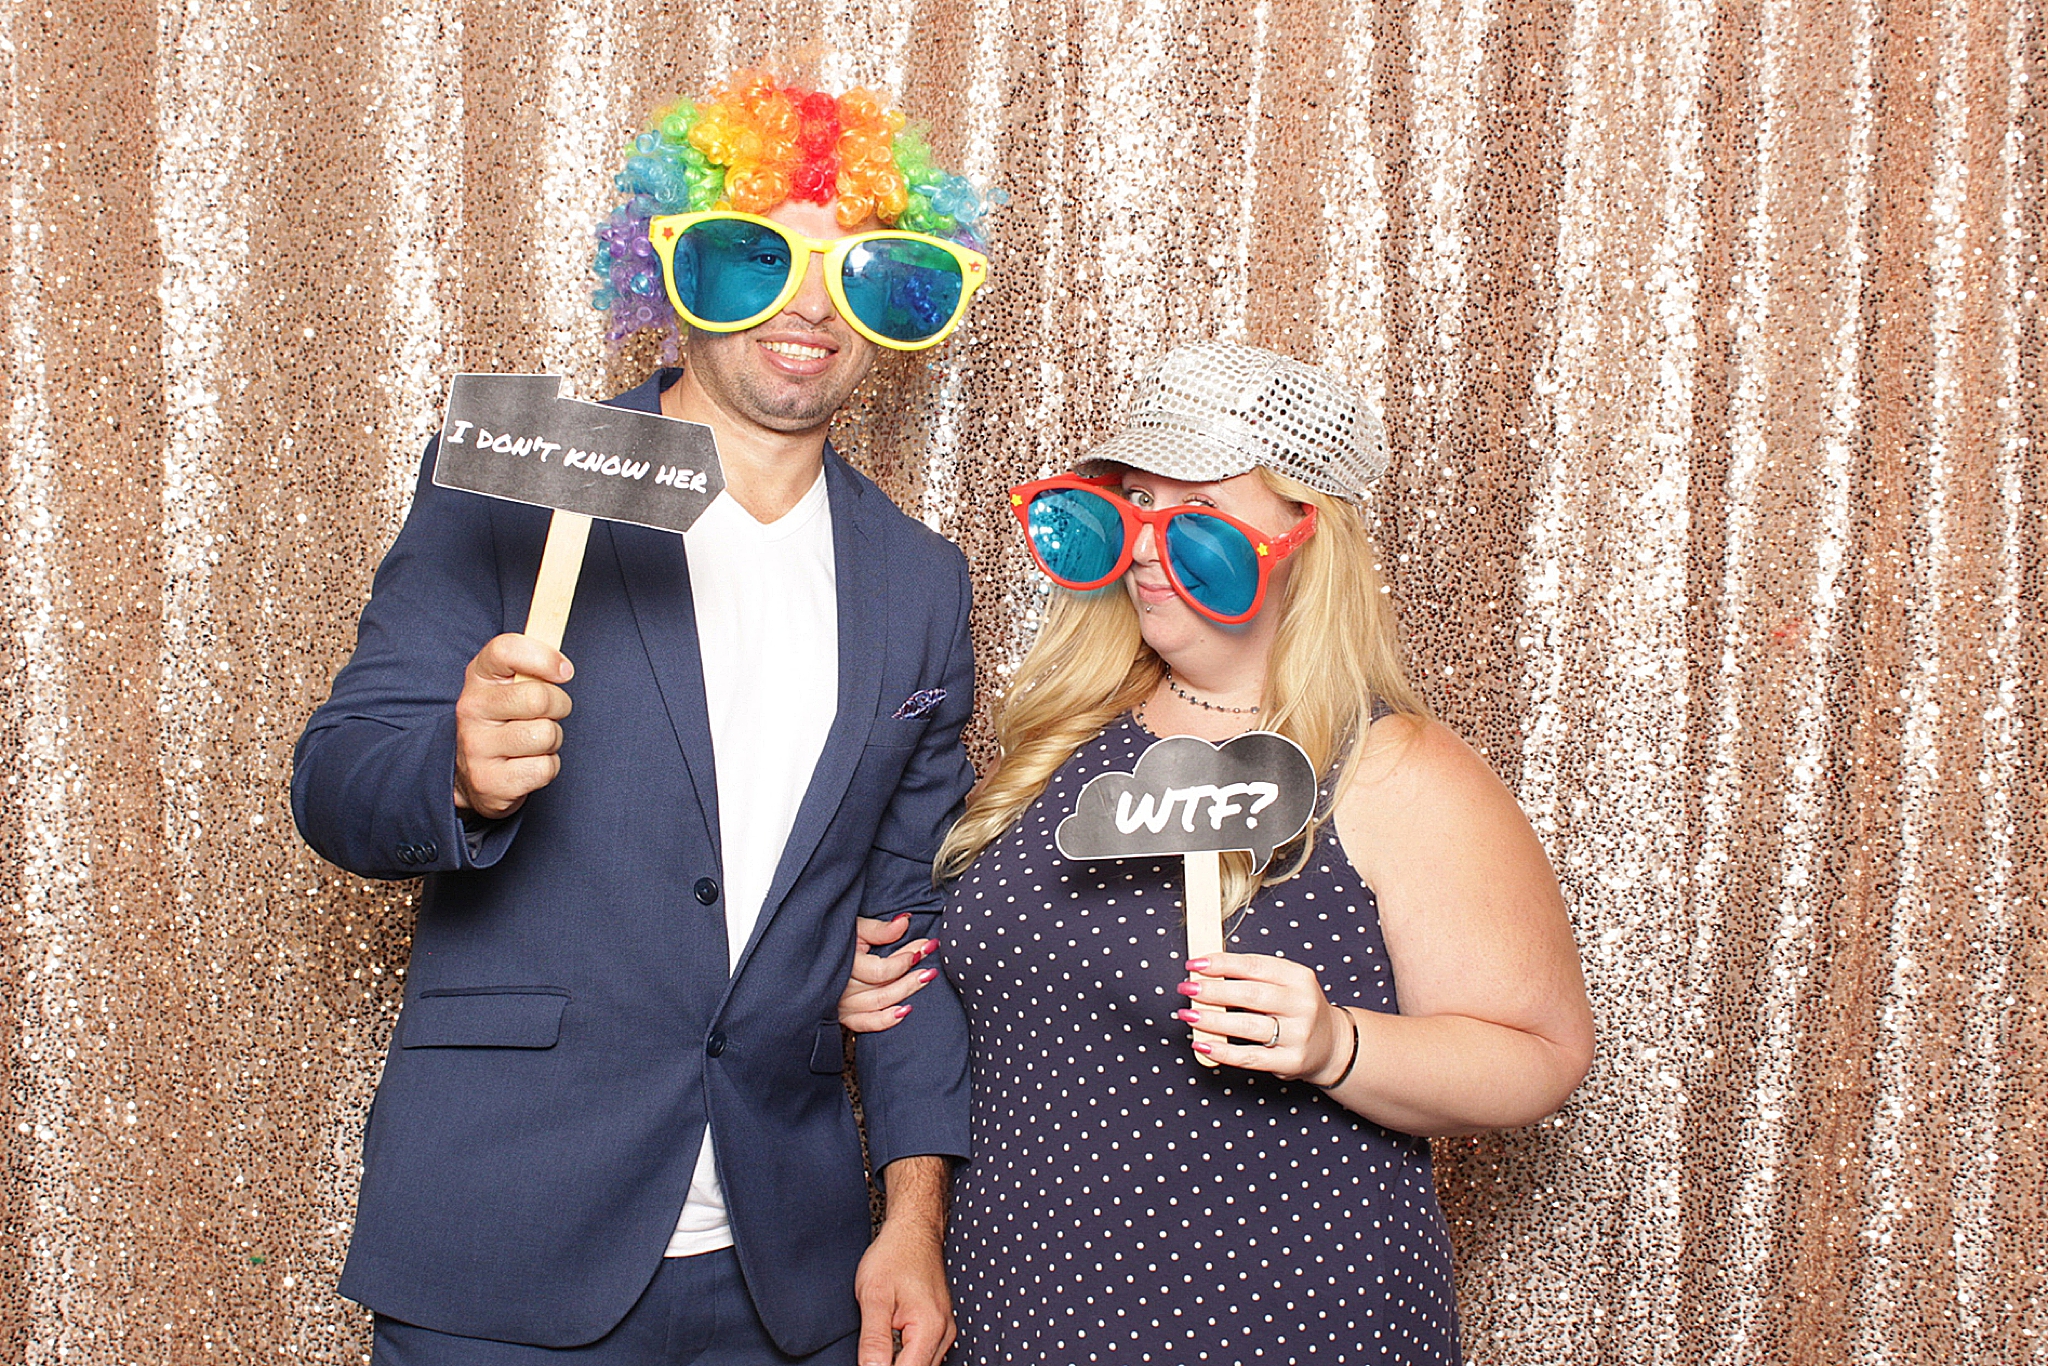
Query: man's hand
(901, 1284)
(506, 731)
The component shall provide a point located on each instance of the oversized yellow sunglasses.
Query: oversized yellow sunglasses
(728, 271)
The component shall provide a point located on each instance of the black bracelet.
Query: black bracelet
(1348, 1067)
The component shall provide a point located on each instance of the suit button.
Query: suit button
(429, 851)
(715, 1045)
(406, 855)
(706, 890)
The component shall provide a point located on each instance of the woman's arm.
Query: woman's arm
(1495, 1029)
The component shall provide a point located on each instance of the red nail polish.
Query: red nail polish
(1203, 1049)
(927, 974)
(929, 947)
(1191, 1016)
(901, 1011)
(1189, 988)
(1197, 964)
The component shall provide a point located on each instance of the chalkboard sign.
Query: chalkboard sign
(512, 436)
(1253, 792)
(1199, 800)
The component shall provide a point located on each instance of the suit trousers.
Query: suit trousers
(695, 1312)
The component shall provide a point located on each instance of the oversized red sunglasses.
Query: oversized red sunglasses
(1082, 530)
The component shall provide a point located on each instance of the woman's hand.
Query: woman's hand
(877, 995)
(1265, 1014)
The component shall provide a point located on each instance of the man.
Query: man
(611, 1127)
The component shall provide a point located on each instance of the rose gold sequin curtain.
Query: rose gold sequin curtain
(1708, 339)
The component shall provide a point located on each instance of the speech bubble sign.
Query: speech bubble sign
(514, 437)
(1254, 792)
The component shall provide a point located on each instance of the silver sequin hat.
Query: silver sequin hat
(1209, 410)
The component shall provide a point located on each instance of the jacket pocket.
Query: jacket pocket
(485, 1017)
(892, 732)
(828, 1053)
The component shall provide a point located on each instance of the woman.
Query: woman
(1406, 969)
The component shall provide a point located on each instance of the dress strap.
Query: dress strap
(1326, 790)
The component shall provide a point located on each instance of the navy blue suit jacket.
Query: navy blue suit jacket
(569, 1025)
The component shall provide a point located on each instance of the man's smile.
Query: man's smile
(796, 350)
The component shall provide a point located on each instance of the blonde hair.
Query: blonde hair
(1336, 649)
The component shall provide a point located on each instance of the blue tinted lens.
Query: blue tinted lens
(1077, 536)
(1214, 562)
(728, 271)
(903, 290)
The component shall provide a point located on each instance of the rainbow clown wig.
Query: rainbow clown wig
(752, 144)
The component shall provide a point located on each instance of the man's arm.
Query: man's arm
(375, 773)
(901, 1283)
(913, 1078)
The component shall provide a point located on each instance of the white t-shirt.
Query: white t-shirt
(768, 631)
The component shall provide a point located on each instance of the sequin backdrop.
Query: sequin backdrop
(1708, 339)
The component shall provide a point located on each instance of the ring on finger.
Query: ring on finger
(1276, 1033)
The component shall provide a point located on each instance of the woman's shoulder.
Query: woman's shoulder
(1119, 732)
(1402, 749)
(1417, 782)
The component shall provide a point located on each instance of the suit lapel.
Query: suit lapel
(657, 578)
(656, 572)
(859, 590)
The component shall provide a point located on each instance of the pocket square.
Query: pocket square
(920, 704)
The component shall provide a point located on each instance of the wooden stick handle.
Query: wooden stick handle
(560, 565)
(1203, 877)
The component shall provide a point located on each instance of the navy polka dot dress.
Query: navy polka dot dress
(1126, 1204)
